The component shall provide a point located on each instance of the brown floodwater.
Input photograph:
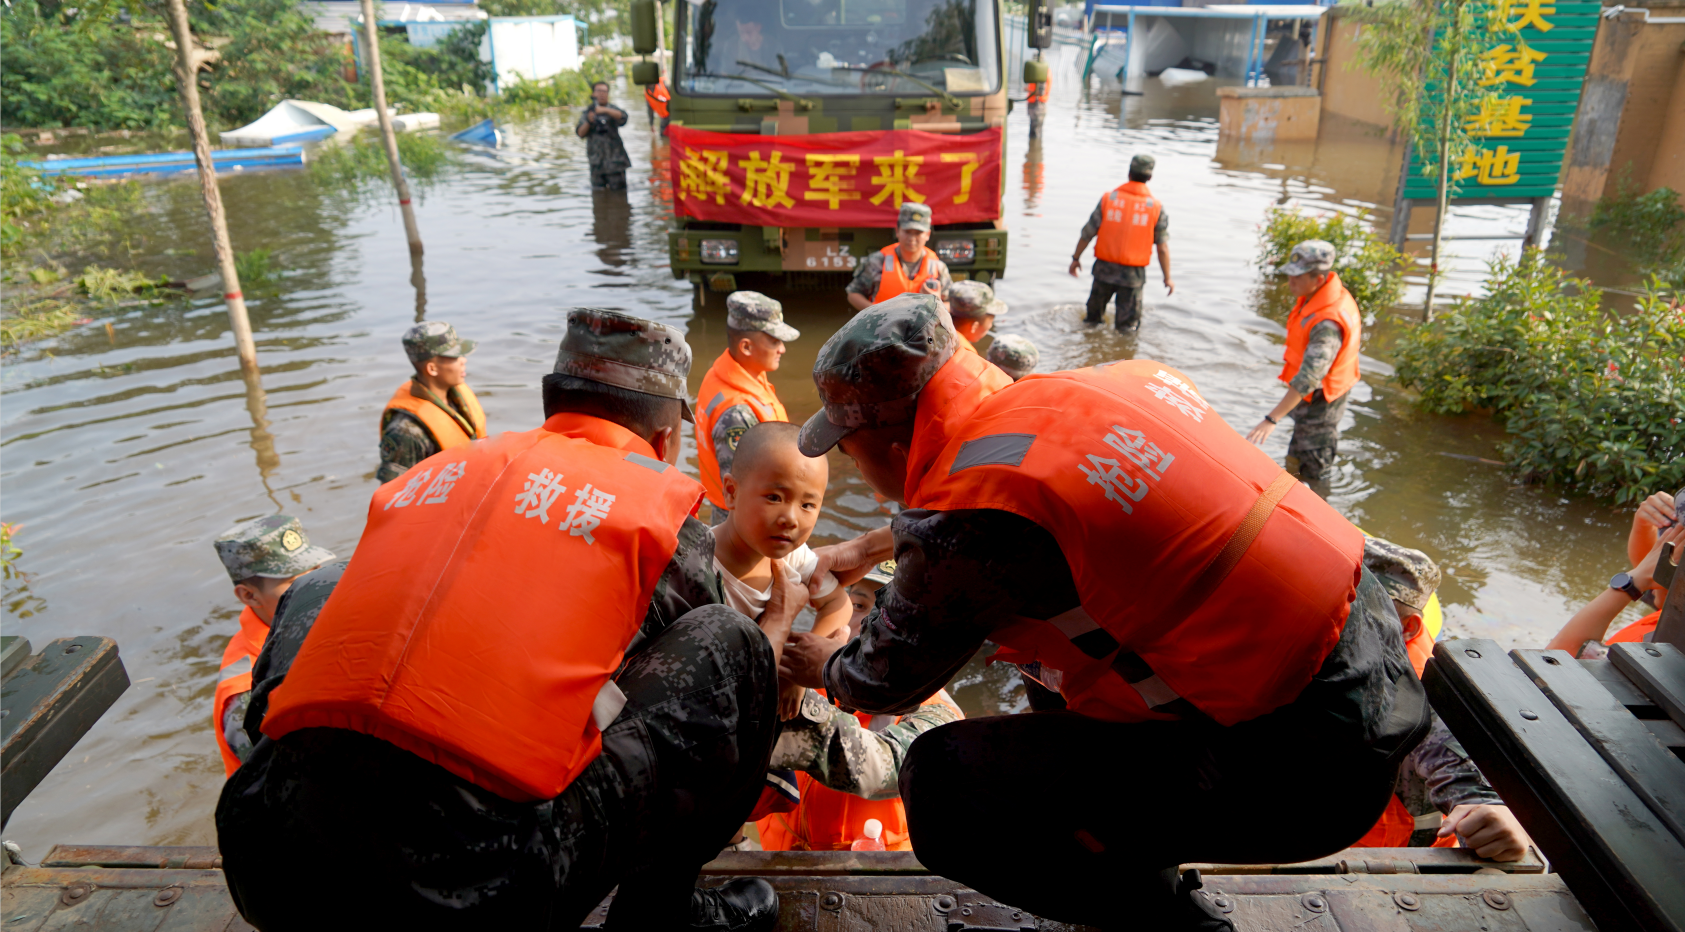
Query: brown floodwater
(123, 454)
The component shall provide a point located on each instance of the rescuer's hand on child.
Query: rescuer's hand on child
(1489, 831)
(787, 601)
(805, 656)
(851, 559)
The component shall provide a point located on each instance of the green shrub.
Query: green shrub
(1650, 228)
(1369, 267)
(24, 194)
(357, 164)
(1592, 400)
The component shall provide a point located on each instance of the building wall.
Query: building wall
(1645, 152)
(1347, 90)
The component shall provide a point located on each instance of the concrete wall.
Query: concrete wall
(1347, 90)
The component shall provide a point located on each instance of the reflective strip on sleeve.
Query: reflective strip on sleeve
(610, 700)
(238, 667)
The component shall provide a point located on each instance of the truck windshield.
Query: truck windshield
(753, 48)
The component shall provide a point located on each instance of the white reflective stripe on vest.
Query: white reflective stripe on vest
(610, 700)
(243, 665)
(1077, 622)
(1074, 623)
(1154, 692)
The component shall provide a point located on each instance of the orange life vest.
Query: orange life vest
(831, 820)
(1240, 579)
(657, 95)
(1037, 92)
(1330, 302)
(446, 430)
(236, 677)
(727, 385)
(1128, 216)
(894, 279)
(1639, 631)
(489, 604)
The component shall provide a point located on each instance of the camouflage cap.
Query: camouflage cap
(870, 372)
(914, 216)
(1015, 355)
(1142, 165)
(881, 574)
(626, 352)
(973, 300)
(1312, 255)
(274, 548)
(751, 310)
(434, 338)
(1409, 576)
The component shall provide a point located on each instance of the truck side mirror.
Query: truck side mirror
(643, 27)
(1035, 72)
(645, 73)
(1039, 18)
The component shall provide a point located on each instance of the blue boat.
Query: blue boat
(483, 133)
(167, 163)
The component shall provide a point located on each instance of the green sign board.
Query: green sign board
(1534, 75)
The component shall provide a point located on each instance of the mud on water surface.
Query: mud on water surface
(123, 455)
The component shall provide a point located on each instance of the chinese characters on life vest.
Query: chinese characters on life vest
(1148, 461)
(1530, 78)
(835, 179)
(540, 491)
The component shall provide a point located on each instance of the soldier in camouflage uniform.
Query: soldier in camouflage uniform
(912, 230)
(680, 769)
(599, 125)
(263, 558)
(1437, 782)
(1112, 279)
(434, 410)
(736, 394)
(973, 307)
(1316, 423)
(1015, 355)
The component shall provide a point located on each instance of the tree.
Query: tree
(1429, 53)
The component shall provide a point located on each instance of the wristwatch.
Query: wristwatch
(1623, 582)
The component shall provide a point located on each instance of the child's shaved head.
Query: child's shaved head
(761, 442)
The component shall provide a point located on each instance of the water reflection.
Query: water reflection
(263, 442)
(418, 281)
(611, 228)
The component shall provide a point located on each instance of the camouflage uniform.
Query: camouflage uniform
(680, 769)
(745, 310)
(1438, 775)
(1316, 423)
(1015, 355)
(833, 748)
(404, 441)
(960, 574)
(1123, 281)
(607, 154)
(868, 275)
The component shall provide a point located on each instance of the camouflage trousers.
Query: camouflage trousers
(608, 180)
(1316, 434)
(1128, 304)
(680, 769)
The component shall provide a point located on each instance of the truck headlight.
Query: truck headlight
(956, 251)
(719, 251)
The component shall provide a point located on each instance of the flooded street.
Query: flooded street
(124, 453)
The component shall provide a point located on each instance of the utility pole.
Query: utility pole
(188, 60)
(371, 35)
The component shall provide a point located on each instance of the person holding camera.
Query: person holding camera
(600, 126)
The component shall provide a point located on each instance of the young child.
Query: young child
(773, 494)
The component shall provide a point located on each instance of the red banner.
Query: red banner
(835, 179)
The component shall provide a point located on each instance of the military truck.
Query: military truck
(799, 128)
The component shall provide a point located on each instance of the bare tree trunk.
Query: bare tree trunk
(371, 33)
(1443, 200)
(188, 59)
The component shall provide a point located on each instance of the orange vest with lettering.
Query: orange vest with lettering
(236, 677)
(894, 279)
(1330, 302)
(446, 430)
(1128, 216)
(1639, 631)
(490, 601)
(657, 96)
(831, 820)
(727, 385)
(1239, 579)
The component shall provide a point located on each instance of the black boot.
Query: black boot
(747, 904)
